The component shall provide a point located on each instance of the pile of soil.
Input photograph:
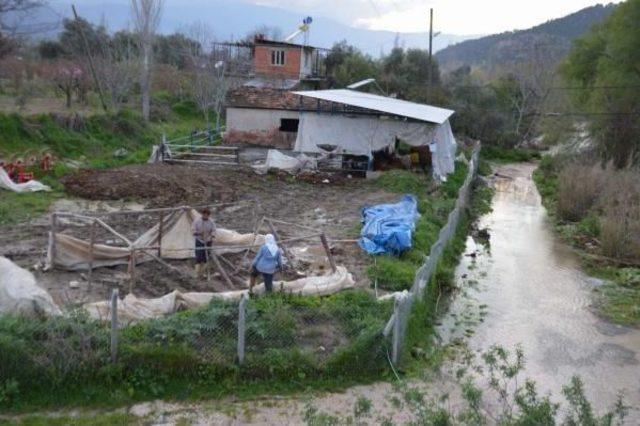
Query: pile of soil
(161, 185)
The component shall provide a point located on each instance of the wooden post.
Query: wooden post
(54, 231)
(242, 308)
(132, 269)
(256, 229)
(114, 325)
(92, 233)
(323, 238)
(160, 231)
(224, 274)
(396, 341)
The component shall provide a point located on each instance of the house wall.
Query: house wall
(292, 62)
(259, 127)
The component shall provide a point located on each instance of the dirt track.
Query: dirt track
(331, 207)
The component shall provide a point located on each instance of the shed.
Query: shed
(371, 123)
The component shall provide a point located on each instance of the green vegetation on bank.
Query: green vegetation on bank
(592, 208)
(191, 355)
(434, 204)
(499, 154)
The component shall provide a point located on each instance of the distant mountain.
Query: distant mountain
(492, 52)
(232, 20)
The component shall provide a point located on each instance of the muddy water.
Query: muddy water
(528, 289)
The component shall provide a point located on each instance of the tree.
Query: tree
(71, 38)
(209, 82)
(146, 14)
(605, 65)
(51, 49)
(68, 77)
(116, 68)
(174, 49)
(346, 64)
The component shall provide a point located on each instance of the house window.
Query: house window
(277, 57)
(289, 124)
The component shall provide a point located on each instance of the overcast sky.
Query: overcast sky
(450, 16)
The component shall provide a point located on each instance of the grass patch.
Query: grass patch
(509, 155)
(191, 355)
(434, 204)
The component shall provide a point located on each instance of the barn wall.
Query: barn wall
(258, 127)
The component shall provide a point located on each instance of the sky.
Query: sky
(450, 16)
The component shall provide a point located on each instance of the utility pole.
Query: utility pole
(430, 69)
(88, 53)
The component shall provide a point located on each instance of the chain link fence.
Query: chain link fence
(397, 324)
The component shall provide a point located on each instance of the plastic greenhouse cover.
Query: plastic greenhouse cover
(388, 228)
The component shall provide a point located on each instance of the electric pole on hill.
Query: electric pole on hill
(430, 65)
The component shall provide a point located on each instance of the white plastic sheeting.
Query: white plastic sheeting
(31, 186)
(132, 309)
(20, 295)
(373, 102)
(358, 135)
(277, 160)
(177, 241)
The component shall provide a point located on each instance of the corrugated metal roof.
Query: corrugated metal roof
(373, 102)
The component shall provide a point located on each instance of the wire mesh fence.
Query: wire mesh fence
(397, 323)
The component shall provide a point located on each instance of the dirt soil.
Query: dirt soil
(333, 208)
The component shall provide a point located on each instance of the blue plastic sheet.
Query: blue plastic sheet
(388, 228)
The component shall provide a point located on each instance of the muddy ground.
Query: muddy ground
(333, 208)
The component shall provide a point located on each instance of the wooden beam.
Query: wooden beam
(92, 238)
(323, 238)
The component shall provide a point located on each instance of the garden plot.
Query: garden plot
(242, 199)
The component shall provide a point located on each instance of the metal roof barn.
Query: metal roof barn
(427, 113)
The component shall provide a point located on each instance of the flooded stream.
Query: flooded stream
(527, 289)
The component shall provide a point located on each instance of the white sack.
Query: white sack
(277, 160)
(31, 186)
(20, 295)
(132, 309)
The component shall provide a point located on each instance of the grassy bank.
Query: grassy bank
(434, 204)
(419, 348)
(499, 154)
(191, 355)
(78, 141)
(595, 210)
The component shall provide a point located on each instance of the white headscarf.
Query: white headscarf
(272, 246)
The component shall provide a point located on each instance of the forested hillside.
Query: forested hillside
(492, 52)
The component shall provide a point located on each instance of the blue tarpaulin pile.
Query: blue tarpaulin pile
(388, 228)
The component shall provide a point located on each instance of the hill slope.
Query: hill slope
(492, 52)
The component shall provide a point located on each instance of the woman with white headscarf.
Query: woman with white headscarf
(266, 262)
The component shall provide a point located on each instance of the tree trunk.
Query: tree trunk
(145, 82)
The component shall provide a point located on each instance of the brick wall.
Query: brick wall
(290, 69)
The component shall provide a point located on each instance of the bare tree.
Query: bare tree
(146, 14)
(116, 69)
(533, 77)
(15, 8)
(208, 75)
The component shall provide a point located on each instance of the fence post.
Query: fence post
(398, 313)
(54, 231)
(242, 310)
(114, 325)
